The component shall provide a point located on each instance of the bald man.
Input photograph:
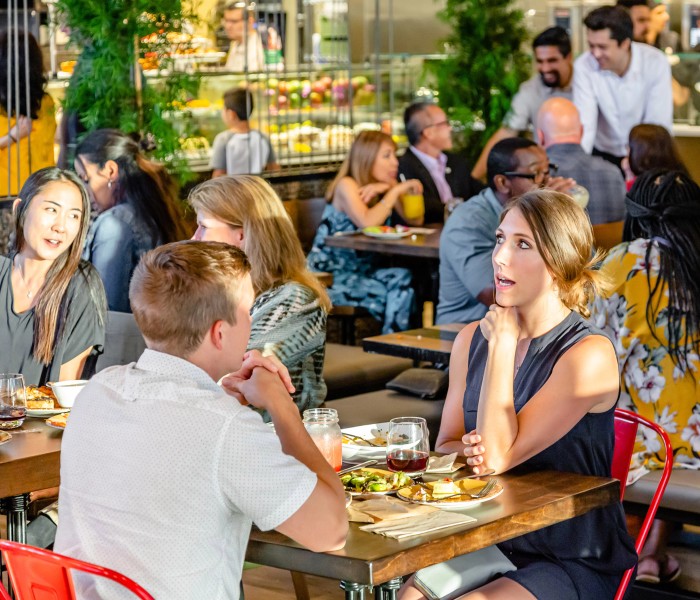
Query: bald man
(559, 132)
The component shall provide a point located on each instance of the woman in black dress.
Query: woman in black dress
(533, 385)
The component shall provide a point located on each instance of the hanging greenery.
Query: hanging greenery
(484, 68)
(104, 90)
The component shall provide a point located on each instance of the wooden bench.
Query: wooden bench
(680, 503)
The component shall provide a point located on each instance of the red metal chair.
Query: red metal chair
(626, 424)
(39, 574)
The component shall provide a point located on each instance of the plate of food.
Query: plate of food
(374, 481)
(365, 441)
(4, 437)
(41, 402)
(386, 232)
(58, 421)
(444, 493)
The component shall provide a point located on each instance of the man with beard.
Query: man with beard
(619, 84)
(554, 61)
(640, 12)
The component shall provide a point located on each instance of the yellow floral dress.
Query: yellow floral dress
(652, 385)
(42, 136)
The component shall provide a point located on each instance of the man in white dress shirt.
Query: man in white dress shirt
(235, 27)
(162, 471)
(618, 84)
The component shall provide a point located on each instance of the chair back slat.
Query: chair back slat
(625, 435)
(37, 574)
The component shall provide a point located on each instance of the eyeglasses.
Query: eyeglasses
(537, 177)
(438, 124)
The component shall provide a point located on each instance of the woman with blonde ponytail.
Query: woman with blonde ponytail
(535, 385)
(53, 302)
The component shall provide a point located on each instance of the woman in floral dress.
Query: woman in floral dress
(365, 193)
(653, 314)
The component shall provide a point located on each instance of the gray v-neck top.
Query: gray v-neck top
(83, 328)
(599, 538)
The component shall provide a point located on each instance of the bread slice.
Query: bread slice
(40, 398)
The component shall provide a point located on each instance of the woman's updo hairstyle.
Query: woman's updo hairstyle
(564, 239)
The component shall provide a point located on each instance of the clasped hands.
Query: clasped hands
(259, 381)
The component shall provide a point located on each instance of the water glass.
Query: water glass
(13, 408)
(408, 445)
(322, 425)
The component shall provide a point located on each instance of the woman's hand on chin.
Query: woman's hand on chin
(500, 324)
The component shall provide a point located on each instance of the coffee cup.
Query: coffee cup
(413, 206)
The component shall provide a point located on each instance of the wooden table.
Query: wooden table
(28, 462)
(432, 344)
(418, 245)
(529, 502)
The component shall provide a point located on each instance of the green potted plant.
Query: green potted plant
(484, 67)
(107, 88)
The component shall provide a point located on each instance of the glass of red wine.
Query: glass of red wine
(408, 446)
(12, 400)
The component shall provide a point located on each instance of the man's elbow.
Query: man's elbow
(331, 536)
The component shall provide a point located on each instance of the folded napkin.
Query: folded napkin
(443, 464)
(418, 525)
(384, 508)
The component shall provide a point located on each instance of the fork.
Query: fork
(361, 439)
(480, 494)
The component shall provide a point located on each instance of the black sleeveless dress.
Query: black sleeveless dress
(583, 557)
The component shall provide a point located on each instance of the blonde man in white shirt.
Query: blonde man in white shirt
(618, 84)
(238, 59)
(162, 471)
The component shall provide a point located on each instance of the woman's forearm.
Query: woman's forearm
(496, 419)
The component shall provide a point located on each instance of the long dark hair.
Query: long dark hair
(143, 184)
(51, 308)
(37, 79)
(664, 206)
(652, 147)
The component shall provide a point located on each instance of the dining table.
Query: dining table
(420, 245)
(369, 561)
(30, 461)
(417, 251)
(431, 344)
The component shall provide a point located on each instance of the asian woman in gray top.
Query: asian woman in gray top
(53, 302)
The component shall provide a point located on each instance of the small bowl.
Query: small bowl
(67, 391)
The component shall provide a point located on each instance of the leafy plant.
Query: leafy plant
(484, 68)
(103, 90)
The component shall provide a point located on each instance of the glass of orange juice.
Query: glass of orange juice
(413, 206)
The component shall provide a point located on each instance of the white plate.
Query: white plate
(45, 412)
(454, 503)
(391, 235)
(55, 427)
(348, 499)
(352, 450)
(4, 437)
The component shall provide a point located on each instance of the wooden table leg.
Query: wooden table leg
(301, 589)
(15, 507)
(353, 591)
(388, 590)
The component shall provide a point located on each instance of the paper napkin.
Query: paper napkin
(443, 464)
(418, 524)
(384, 508)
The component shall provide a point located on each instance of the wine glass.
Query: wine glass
(13, 406)
(408, 446)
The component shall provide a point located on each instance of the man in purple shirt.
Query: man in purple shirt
(443, 175)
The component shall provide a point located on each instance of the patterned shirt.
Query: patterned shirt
(162, 475)
(651, 384)
(289, 322)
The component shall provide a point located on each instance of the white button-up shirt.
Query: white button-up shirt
(162, 475)
(611, 105)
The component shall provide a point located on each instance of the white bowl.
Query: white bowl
(67, 391)
(357, 451)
